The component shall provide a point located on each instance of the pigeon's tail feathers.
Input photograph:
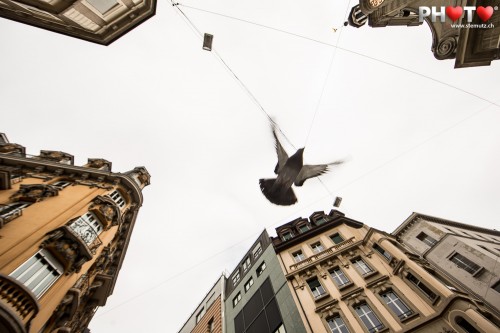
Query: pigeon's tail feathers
(274, 193)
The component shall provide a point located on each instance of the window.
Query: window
(396, 305)
(280, 329)
(12, 208)
(298, 256)
(236, 299)
(362, 267)
(369, 319)
(87, 227)
(317, 247)
(383, 252)
(426, 239)
(261, 268)
(321, 220)
(287, 235)
(465, 325)
(200, 315)
(257, 250)
(428, 292)
(316, 288)
(246, 264)
(464, 263)
(39, 272)
(248, 284)
(336, 238)
(61, 184)
(339, 277)
(337, 325)
(303, 228)
(102, 5)
(210, 327)
(496, 287)
(117, 198)
(236, 278)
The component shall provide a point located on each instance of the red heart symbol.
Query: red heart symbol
(484, 13)
(454, 12)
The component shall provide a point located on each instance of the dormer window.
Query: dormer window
(287, 235)
(117, 198)
(303, 228)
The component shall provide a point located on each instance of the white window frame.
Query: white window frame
(118, 198)
(49, 269)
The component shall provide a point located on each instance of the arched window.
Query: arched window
(465, 325)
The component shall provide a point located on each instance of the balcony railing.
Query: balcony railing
(83, 230)
(323, 254)
(18, 298)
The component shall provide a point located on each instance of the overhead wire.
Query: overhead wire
(292, 214)
(345, 50)
(495, 103)
(233, 74)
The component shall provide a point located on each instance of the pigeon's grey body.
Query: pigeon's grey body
(290, 170)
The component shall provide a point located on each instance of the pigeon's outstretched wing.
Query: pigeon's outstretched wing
(311, 171)
(282, 155)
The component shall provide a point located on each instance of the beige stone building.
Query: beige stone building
(348, 277)
(465, 254)
(98, 21)
(64, 233)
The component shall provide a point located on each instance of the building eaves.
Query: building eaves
(415, 216)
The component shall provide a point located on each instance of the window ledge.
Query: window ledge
(346, 286)
(322, 297)
(369, 275)
(410, 317)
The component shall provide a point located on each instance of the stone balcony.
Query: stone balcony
(18, 306)
(328, 253)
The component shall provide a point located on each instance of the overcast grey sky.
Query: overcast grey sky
(424, 139)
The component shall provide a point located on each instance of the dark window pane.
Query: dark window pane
(238, 323)
(273, 315)
(259, 325)
(336, 238)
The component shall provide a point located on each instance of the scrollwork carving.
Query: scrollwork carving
(107, 211)
(67, 248)
(34, 192)
(446, 48)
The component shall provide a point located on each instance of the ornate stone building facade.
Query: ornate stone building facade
(471, 42)
(348, 277)
(465, 254)
(64, 232)
(98, 21)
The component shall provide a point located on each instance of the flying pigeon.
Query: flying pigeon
(289, 171)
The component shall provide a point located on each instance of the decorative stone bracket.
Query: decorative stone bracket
(34, 192)
(68, 248)
(107, 211)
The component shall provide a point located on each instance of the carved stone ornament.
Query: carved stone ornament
(57, 156)
(375, 3)
(7, 148)
(98, 163)
(446, 48)
(35, 192)
(107, 211)
(68, 248)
